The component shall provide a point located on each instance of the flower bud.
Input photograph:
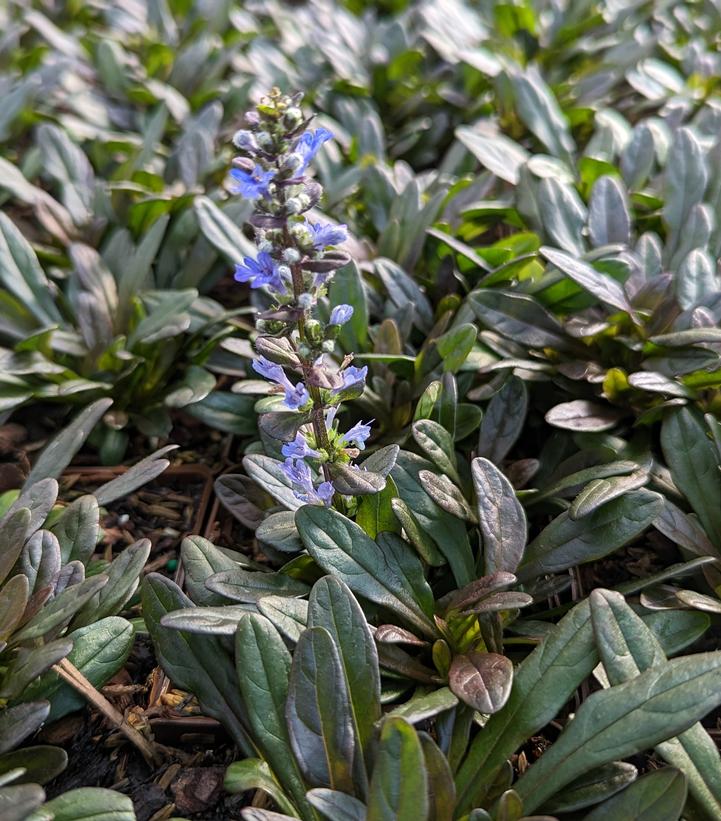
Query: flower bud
(245, 140)
(291, 255)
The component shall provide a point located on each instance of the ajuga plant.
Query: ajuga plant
(59, 602)
(295, 261)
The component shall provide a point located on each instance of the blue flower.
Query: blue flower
(325, 234)
(300, 476)
(325, 492)
(341, 314)
(352, 376)
(260, 272)
(308, 145)
(299, 449)
(356, 435)
(295, 395)
(251, 184)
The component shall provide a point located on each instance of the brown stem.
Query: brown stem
(69, 673)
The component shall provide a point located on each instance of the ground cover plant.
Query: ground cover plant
(431, 290)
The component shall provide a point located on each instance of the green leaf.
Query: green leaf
(496, 152)
(593, 787)
(333, 607)
(627, 647)
(346, 288)
(21, 721)
(21, 274)
(602, 286)
(441, 789)
(318, 713)
(542, 684)
(229, 412)
(263, 665)
(268, 474)
(520, 318)
(201, 559)
(198, 664)
(503, 420)
(375, 512)
(343, 549)
(123, 577)
(609, 220)
(447, 532)
(77, 529)
(40, 763)
(15, 526)
(624, 720)
(567, 542)
(195, 385)
(255, 774)
(438, 445)
(658, 796)
(500, 516)
(455, 345)
(89, 804)
(601, 491)
(134, 477)
(18, 802)
(13, 600)
(243, 585)
(99, 651)
(685, 179)
(337, 806)
(220, 230)
(399, 785)
(59, 453)
(694, 466)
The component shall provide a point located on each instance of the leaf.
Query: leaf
(134, 477)
(405, 293)
(441, 789)
(482, 680)
(421, 541)
(448, 533)
(353, 481)
(399, 785)
(15, 527)
(255, 774)
(342, 549)
(333, 607)
(696, 279)
(500, 516)
(99, 651)
(17, 802)
(77, 529)
(21, 274)
(375, 512)
(216, 621)
(685, 179)
(601, 491)
(221, 232)
(498, 153)
(21, 721)
(567, 542)
(503, 420)
(381, 461)
(520, 318)
(542, 684)
(279, 530)
(563, 214)
(318, 713)
(196, 384)
(289, 616)
(13, 600)
(694, 466)
(268, 474)
(346, 288)
(40, 763)
(602, 286)
(198, 664)
(657, 796)
(428, 705)
(59, 453)
(438, 445)
(593, 787)
(90, 804)
(627, 647)
(123, 577)
(202, 559)
(263, 666)
(619, 722)
(609, 220)
(225, 411)
(455, 345)
(446, 495)
(337, 806)
(583, 415)
(243, 585)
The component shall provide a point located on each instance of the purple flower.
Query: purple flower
(299, 449)
(251, 184)
(325, 234)
(356, 435)
(308, 145)
(325, 492)
(260, 272)
(300, 476)
(295, 395)
(352, 376)
(341, 314)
